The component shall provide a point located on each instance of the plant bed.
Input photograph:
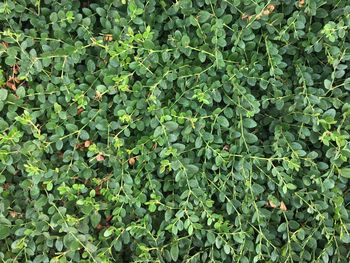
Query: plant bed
(174, 131)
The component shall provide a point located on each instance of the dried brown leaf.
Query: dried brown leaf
(132, 161)
(244, 16)
(108, 37)
(283, 206)
(271, 204)
(80, 110)
(271, 7)
(98, 190)
(11, 85)
(13, 214)
(15, 69)
(5, 44)
(100, 157)
(87, 144)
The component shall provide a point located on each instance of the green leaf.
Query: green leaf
(100, 11)
(327, 84)
(211, 237)
(21, 92)
(191, 169)
(347, 84)
(108, 232)
(70, 242)
(282, 227)
(91, 66)
(3, 94)
(223, 121)
(198, 142)
(185, 40)
(174, 252)
(251, 138)
(59, 245)
(227, 249)
(4, 231)
(291, 186)
(249, 123)
(95, 219)
(53, 17)
(84, 135)
(345, 237)
(49, 186)
(171, 125)
(202, 56)
(257, 189)
(345, 172)
(203, 16)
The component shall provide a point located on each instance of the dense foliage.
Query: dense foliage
(184, 131)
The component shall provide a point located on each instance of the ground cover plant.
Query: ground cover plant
(174, 131)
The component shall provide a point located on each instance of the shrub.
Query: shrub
(184, 131)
